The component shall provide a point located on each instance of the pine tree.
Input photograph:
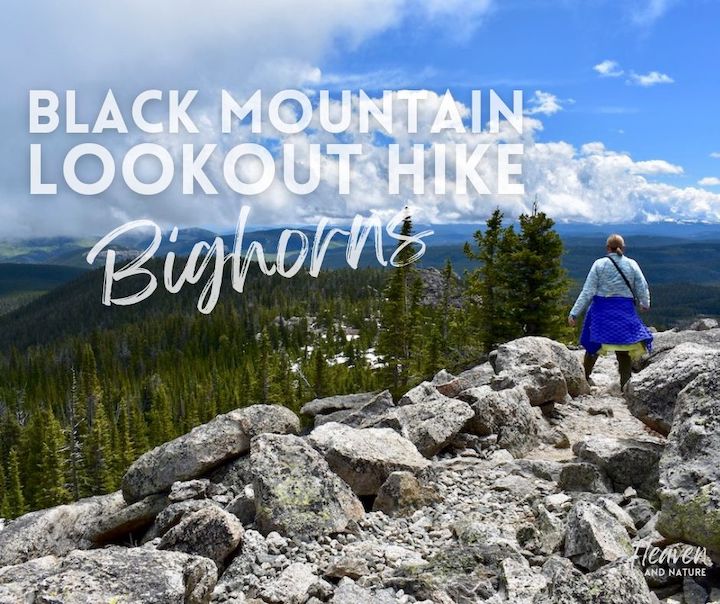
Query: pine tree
(489, 287)
(539, 278)
(52, 466)
(15, 496)
(400, 313)
(99, 454)
(160, 421)
(76, 434)
(4, 499)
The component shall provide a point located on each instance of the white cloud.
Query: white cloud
(609, 69)
(709, 181)
(656, 166)
(650, 11)
(543, 103)
(650, 79)
(715, 155)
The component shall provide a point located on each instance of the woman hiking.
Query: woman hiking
(614, 285)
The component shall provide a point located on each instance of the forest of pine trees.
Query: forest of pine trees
(84, 392)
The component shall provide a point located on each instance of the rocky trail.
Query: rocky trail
(513, 482)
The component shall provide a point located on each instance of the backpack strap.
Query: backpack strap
(624, 278)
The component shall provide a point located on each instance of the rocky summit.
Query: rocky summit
(515, 482)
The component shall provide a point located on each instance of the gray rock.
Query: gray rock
(689, 469)
(640, 510)
(667, 340)
(243, 566)
(243, 506)
(362, 417)
(58, 530)
(210, 532)
(204, 448)
(113, 574)
(543, 384)
(704, 324)
(533, 351)
(234, 474)
(628, 462)
(521, 584)
(431, 424)
(507, 413)
(348, 592)
(129, 519)
(594, 537)
(402, 494)
(617, 583)
(189, 489)
(172, 514)
(296, 493)
(365, 458)
(651, 394)
(330, 404)
(422, 392)
(347, 566)
(292, 586)
(550, 531)
(583, 476)
(481, 375)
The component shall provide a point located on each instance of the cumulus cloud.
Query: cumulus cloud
(709, 181)
(609, 69)
(543, 103)
(650, 79)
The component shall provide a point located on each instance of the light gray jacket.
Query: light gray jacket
(604, 280)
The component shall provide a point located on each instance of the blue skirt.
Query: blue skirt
(613, 321)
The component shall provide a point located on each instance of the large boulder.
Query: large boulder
(204, 448)
(128, 520)
(507, 413)
(543, 384)
(330, 404)
(594, 537)
(365, 458)
(627, 462)
(58, 530)
(402, 494)
(292, 586)
(665, 341)
(431, 424)
(517, 356)
(113, 574)
(619, 582)
(362, 417)
(651, 394)
(690, 467)
(209, 531)
(296, 493)
(481, 375)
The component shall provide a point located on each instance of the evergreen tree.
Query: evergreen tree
(400, 312)
(15, 496)
(539, 278)
(100, 461)
(160, 420)
(4, 499)
(489, 286)
(52, 466)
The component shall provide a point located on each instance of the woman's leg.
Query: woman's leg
(588, 363)
(625, 366)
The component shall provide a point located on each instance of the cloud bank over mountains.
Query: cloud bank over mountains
(165, 44)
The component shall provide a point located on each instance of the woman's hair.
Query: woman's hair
(616, 243)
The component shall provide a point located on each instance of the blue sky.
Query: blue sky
(553, 46)
(621, 96)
